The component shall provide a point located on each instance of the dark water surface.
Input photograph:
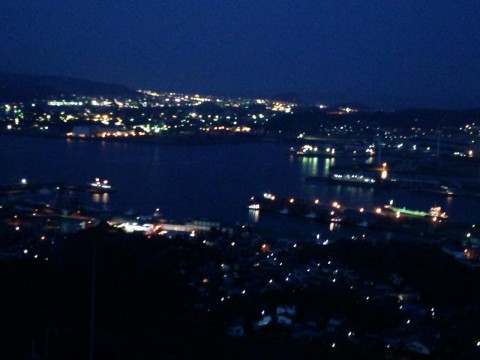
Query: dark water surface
(198, 181)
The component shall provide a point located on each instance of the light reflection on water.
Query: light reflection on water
(328, 162)
(100, 198)
(253, 215)
(199, 181)
(309, 166)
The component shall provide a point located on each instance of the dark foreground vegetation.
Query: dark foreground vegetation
(146, 303)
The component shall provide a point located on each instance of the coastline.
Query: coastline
(156, 139)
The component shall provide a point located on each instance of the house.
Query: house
(286, 314)
(287, 309)
(264, 321)
(284, 320)
(235, 328)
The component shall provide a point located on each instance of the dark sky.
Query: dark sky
(381, 53)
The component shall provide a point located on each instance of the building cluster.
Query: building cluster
(150, 114)
(143, 114)
(306, 290)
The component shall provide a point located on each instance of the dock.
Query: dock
(378, 217)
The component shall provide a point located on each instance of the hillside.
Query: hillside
(21, 87)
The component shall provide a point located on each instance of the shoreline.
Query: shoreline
(159, 139)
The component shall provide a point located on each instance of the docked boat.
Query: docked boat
(353, 179)
(312, 151)
(434, 213)
(100, 186)
(442, 190)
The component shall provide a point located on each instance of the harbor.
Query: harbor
(433, 223)
(169, 178)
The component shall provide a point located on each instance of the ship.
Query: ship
(312, 151)
(353, 179)
(100, 186)
(434, 213)
(435, 190)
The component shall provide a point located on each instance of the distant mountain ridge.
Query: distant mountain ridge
(22, 87)
(288, 97)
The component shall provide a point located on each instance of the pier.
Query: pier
(385, 218)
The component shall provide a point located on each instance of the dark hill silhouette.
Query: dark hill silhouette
(307, 120)
(288, 97)
(22, 87)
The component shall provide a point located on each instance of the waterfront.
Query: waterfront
(212, 181)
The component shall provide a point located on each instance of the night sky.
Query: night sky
(385, 54)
